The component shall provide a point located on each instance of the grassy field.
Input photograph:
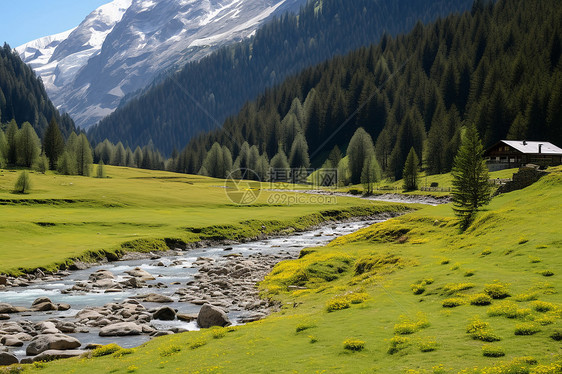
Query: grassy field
(411, 295)
(65, 216)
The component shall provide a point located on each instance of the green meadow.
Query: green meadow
(67, 217)
(410, 295)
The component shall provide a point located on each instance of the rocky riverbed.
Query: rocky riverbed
(59, 315)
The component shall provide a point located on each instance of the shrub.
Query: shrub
(453, 302)
(445, 261)
(452, 288)
(526, 329)
(197, 344)
(543, 306)
(304, 326)
(313, 339)
(486, 252)
(23, 183)
(546, 273)
(526, 297)
(132, 369)
(397, 343)
(523, 240)
(469, 273)
(123, 352)
(480, 299)
(507, 309)
(405, 328)
(523, 313)
(168, 351)
(428, 346)
(476, 325)
(485, 335)
(556, 335)
(106, 350)
(354, 345)
(337, 303)
(357, 297)
(418, 289)
(218, 332)
(497, 290)
(492, 351)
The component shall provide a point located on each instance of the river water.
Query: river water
(178, 271)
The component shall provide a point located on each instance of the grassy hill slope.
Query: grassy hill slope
(410, 295)
(134, 209)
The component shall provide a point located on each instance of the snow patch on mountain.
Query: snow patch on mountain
(123, 45)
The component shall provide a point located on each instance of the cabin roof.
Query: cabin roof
(528, 147)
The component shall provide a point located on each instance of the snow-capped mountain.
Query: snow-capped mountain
(121, 46)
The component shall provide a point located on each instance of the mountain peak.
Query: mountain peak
(122, 46)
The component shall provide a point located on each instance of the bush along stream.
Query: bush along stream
(145, 295)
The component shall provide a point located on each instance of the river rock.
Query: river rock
(41, 300)
(3, 280)
(56, 354)
(121, 329)
(165, 314)
(88, 314)
(104, 283)
(43, 343)
(47, 328)
(133, 282)
(156, 298)
(101, 274)
(8, 308)
(212, 316)
(186, 317)
(78, 265)
(44, 307)
(141, 274)
(10, 341)
(4, 317)
(63, 306)
(11, 328)
(7, 359)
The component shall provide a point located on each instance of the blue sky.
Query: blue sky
(26, 20)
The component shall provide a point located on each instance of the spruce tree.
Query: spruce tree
(66, 164)
(226, 161)
(84, 158)
(213, 165)
(138, 157)
(334, 157)
(279, 167)
(119, 157)
(411, 171)
(360, 149)
(299, 153)
(28, 145)
(471, 189)
(42, 163)
(3, 150)
(53, 143)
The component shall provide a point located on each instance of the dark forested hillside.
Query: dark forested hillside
(23, 96)
(203, 94)
(498, 67)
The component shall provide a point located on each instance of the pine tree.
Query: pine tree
(84, 158)
(371, 174)
(3, 150)
(119, 155)
(71, 143)
(299, 153)
(23, 183)
(226, 161)
(53, 143)
(334, 157)
(471, 189)
(213, 165)
(28, 145)
(138, 157)
(360, 149)
(279, 167)
(410, 172)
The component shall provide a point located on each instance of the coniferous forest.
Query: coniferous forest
(23, 97)
(497, 66)
(202, 95)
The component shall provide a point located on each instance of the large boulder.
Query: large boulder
(41, 300)
(121, 329)
(140, 274)
(7, 359)
(56, 354)
(165, 314)
(44, 307)
(8, 308)
(212, 316)
(43, 343)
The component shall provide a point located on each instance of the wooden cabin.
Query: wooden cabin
(507, 154)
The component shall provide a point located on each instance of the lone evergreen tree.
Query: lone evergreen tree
(471, 189)
(359, 150)
(53, 143)
(84, 158)
(100, 172)
(411, 171)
